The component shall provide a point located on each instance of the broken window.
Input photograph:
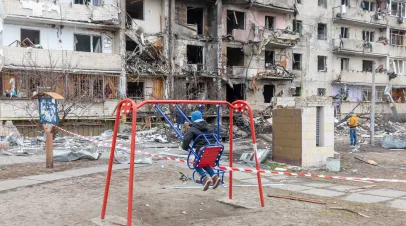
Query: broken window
(195, 17)
(321, 63)
(194, 54)
(297, 61)
(398, 66)
(269, 59)
(344, 32)
(269, 23)
(130, 45)
(322, 31)
(321, 92)
(367, 93)
(345, 2)
(195, 91)
(369, 6)
(298, 90)
(368, 36)
(398, 9)
(297, 26)
(235, 20)
(235, 56)
(135, 90)
(345, 64)
(135, 9)
(29, 37)
(235, 93)
(88, 43)
(322, 3)
(397, 37)
(367, 65)
(268, 93)
(81, 2)
(399, 95)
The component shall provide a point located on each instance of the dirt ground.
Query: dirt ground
(29, 169)
(76, 201)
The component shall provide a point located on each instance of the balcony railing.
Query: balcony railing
(360, 47)
(356, 15)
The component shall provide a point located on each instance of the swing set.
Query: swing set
(208, 156)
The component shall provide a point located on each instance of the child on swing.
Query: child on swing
(198, 127)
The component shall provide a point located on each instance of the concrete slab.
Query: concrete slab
(385, 192)
(323, 192)
(366, 198)
(318, 185)
(82, 172)
(243, 176)
(10, 184)
(47, 177)
(343, 187)
(114, 221)
(293, 187)
(235, 203)
(399, 203)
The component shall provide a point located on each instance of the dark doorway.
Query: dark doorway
(268, 93)
(135, 90)
(238, 93)
(135, 9)
(195, 16)
(235, 56)
(194, 54)
(235, 20)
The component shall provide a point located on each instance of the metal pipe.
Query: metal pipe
(372, 126)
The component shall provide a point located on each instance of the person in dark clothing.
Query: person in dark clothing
(198, 127)
(180, 121)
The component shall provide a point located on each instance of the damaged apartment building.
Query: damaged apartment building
(70, 47)
(267, 52)
(224, 49)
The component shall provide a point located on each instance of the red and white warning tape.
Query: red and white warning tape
(226, 168)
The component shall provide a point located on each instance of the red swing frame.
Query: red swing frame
(127, 106)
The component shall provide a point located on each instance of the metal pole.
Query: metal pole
(372, 126)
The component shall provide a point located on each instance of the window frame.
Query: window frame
(325, 63)
(91, 42)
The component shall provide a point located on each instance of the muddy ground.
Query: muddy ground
(76, 201)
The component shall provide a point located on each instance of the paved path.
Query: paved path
(390, 197)
(39, 179)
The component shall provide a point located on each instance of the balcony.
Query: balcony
(280, 38)
(103, 16)
(277, 6)
(359, 47)
(25, 58)
(357, 16)
(362, 78)
(272, 72)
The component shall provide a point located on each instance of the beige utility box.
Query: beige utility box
(304, 135)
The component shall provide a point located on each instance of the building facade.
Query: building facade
(263, 51)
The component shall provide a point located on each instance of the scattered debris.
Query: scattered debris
(69, 156)
(371, 162)
(184, 177)
(298, 199)
(348, 210)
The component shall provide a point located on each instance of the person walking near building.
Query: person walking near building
(353, 124)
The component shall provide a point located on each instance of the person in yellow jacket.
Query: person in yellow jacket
(353, 124)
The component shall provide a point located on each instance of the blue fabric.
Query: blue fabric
(353, 136)
(202, 174)
(351, 113)
(196, 115)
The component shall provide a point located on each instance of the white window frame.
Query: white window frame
(346, 31)
(91, 42)
(370, 36)
(400, 35)
(398, 66)
(91, 3)
(401, 6)
(345, 64)
(371, 6)
(325, 63)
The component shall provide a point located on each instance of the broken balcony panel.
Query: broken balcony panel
(277, 6)
(280, 38)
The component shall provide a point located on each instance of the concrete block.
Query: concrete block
(10, 184)
(386, 193)
(366, 198)
(323, 192)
